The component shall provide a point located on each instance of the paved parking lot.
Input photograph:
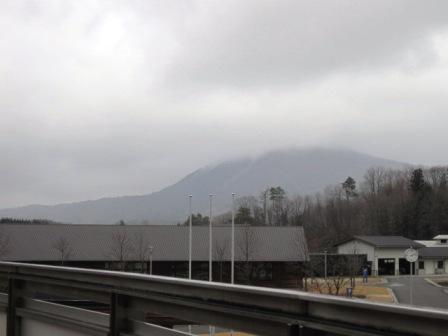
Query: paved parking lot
(424, 293)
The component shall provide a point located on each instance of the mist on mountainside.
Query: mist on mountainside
(298, 171)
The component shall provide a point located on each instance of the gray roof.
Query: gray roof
(29, 242)
(441, 236)
(387, 241)
(433, 252)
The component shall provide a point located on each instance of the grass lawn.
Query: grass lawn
(442, 281)
(370, 291)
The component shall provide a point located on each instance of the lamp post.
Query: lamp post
(190, 238)
(354, 265)
(151, 249)
(325, 271)
(210, 270)
(266, 222)
(411, 256)
(232, 260)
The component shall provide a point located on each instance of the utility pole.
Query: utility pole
(151, 249)
(210, 266)
(232, 262)
(325, 264)
(411, 256)
(266, 207)
(190, 239)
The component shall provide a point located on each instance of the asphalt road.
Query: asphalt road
(424, 293)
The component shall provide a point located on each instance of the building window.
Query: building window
(443, 241)
(440, 264)
(421, 265)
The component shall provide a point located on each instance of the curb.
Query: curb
(394, 297)
(433, 283)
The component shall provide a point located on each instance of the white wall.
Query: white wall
(361, 248)
(392, 253)
(373, 254)
(431, 266)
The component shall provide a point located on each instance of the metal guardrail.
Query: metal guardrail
(262, 311)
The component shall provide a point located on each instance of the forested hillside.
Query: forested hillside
(411, 202)
(298, 171)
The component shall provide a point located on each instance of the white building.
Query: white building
(433, 258)
(385, 254)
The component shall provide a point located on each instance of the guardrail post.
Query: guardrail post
(117, 322)
(14, 300)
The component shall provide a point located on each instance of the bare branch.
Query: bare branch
(141, 248)
(62, 246)
(121, 247)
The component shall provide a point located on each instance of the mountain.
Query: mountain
(298, 171)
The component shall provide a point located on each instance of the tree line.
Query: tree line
(10, 220)
(412, 202)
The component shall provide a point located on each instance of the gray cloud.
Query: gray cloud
(287, 42)
(99, 98)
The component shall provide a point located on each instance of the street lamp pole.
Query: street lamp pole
(232, 262)
(325, 252)
(210, 270)
(190, 238)
(151, 249)
(266, 207)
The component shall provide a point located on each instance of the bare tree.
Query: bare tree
(333, 284)
(247, 245)
(303, 258)
(221, 249)
(295, 208)
(141, 248)
(336, 281)
(121, 247)
(62, 246)
(436, 175)
(4, 243)
(264, 200)
(374, 180)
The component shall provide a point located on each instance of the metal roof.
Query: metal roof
(441, 237)
(386, 241)
(433, 252)
(428, 243)
(28, 242)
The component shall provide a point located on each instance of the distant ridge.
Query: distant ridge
(299, 171)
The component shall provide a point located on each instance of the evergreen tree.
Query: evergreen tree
(243, 216)
(349, 187)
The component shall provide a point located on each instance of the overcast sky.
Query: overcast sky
(105, 98)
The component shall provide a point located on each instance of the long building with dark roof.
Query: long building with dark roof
(263, 255)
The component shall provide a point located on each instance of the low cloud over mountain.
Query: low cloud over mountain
(298, 171)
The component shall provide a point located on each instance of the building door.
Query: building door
(386, 266)
(404, 267)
